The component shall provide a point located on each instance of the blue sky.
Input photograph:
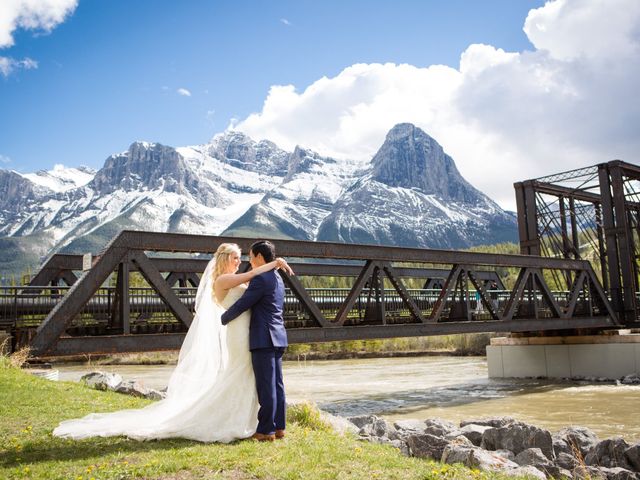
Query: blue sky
(110, 73)
(512, 89)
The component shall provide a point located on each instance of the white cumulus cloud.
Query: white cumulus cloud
(570, 29)
(42, 15)
(184, 92)
(4, 159)
(503, 116)
(285, 22)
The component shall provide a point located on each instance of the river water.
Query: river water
(453, 388)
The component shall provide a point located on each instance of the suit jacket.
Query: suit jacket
(265, 298)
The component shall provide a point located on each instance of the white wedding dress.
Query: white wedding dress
(211, 396)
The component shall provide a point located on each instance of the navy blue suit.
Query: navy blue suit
(267, 341)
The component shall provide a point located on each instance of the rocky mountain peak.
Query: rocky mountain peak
(142, 165)
(87, 170)
(151, 166)
(410, 158)
(405, 130)
(303, 160)
(15, 189)
(240, 151)
(232, 144)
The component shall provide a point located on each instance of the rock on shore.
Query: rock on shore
(509, 446)
(114, 382)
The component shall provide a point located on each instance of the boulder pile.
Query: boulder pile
(509, 446)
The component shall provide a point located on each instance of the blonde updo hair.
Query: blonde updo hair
(222, 256)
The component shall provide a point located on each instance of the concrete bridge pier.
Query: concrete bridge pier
(592, 356)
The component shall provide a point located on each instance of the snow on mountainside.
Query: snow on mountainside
(410, 194)
(305, 197)
(61, 178)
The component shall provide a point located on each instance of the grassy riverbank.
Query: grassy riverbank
(463, 344)
(460, 344)
(31, 407)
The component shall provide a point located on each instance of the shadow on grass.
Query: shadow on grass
(58, 449)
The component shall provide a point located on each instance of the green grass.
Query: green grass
(31, 407)
(307, 416)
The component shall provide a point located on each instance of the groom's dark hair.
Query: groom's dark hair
(264, 248)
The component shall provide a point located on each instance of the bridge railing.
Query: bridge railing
(21, 309)
(27, 307)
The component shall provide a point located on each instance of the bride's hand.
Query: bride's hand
(283, 265)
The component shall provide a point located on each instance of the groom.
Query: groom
(267, 340)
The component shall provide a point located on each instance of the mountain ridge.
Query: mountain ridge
(409, 194)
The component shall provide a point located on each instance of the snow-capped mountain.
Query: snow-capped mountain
(414, 195)
(410, 194)
(21, 195)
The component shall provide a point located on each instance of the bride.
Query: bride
(211, 396)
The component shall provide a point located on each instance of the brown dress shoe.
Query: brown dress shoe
(280, 434)
(263, 437)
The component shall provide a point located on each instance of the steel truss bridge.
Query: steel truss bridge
(390, 292)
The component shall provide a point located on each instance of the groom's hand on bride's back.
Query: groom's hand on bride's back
(248, 299)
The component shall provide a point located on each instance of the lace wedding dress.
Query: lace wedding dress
(211, 396)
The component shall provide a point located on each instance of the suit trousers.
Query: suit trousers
(267, 367)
